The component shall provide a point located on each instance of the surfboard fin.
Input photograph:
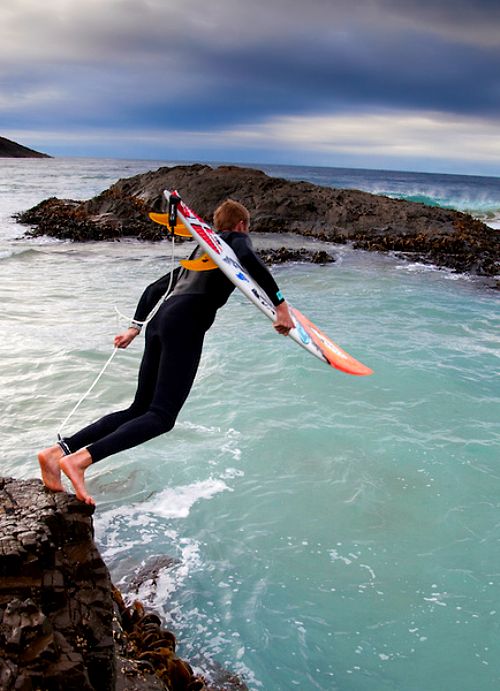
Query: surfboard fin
(162, 219)
(203, 263)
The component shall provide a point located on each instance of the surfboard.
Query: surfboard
(305, 333)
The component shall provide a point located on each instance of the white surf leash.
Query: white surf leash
(115, 350)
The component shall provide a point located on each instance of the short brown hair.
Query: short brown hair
(229, 214)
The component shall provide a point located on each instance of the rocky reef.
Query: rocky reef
(442, 237)
(63, 625)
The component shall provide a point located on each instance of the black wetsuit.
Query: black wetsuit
(174, 341)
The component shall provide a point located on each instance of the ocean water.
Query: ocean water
(331, 532)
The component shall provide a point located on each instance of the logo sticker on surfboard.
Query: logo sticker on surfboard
(304, 337)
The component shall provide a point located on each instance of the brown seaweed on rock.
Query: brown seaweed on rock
(470, 248)
(143, 641)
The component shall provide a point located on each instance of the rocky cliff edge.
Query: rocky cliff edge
(63, 626)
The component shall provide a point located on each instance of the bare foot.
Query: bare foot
(49, 464)
(74, 467)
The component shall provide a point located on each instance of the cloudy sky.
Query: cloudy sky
(399, 84)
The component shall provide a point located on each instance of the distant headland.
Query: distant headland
(10, 149)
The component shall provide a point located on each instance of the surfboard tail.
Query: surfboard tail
(333, 353)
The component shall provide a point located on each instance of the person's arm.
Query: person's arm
(284, 322)
(147, 301)
(242, 246)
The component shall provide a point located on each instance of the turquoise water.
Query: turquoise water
(332, 532)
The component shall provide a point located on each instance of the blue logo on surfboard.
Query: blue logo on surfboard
(304, 336)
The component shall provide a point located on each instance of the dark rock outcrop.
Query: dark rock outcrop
(55, 609)
(149, 573)
(287, 254)
(10, 149)
(63, 626)
(444, 237)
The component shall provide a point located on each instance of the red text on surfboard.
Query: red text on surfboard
(209, 236)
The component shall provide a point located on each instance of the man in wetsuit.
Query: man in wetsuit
(173, 345)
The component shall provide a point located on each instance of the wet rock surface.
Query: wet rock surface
(55, 610)
(287, 254)
(63, 626)
(442, 237)
(149, 573)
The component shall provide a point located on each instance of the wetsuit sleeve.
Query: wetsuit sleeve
(242, 246)
(152, 294)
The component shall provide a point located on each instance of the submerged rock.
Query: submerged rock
(440, 236)
(149, 573)
(63, 626)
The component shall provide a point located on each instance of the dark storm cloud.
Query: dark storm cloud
(246, 83)
(190, 65)
(409, 71)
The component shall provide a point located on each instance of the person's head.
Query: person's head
(231, 215)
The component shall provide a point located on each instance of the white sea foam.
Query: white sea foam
(172, 502)
(203, 429)
(176, 502)
(421, 268)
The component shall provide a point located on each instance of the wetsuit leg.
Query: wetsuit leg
(165, 380)
(144, 395)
